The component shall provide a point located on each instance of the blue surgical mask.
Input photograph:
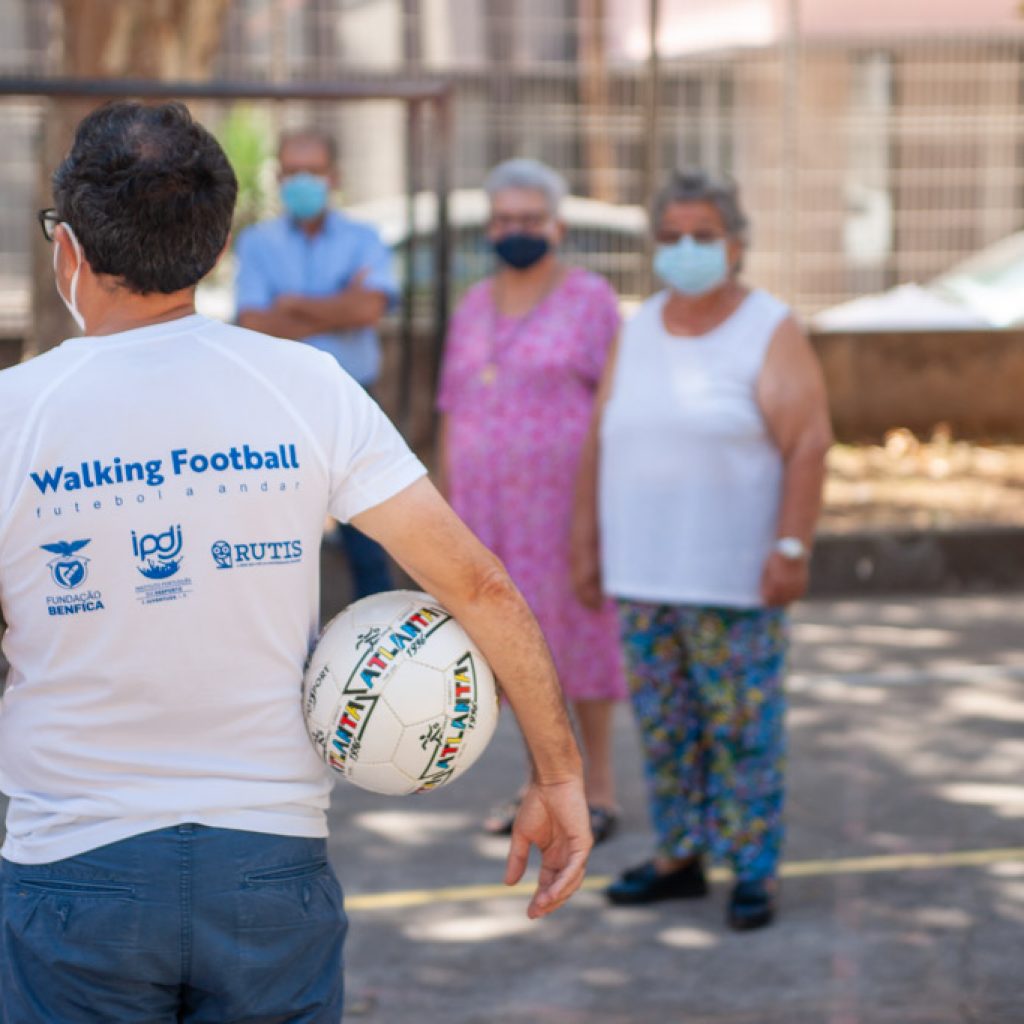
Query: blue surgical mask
(691, 267)
(521, 251)
(304, 195)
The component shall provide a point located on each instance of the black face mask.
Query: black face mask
(521, 251)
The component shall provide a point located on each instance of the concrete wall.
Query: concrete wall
(972, 380)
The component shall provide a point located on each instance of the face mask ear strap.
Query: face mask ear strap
(72, 301)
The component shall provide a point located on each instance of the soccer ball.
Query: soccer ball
(396, 697)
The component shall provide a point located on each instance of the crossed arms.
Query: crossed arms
(300, 316)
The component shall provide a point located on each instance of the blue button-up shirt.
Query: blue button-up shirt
(278, 258)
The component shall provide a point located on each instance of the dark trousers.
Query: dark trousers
(186, 924)
(371, 573)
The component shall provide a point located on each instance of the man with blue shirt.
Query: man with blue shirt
(314, 275)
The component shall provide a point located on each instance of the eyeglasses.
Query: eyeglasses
(702, 235)
(48, 221)
(523, 222)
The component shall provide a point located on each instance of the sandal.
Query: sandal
(603, 823)
(501, 819)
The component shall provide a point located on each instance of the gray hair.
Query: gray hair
(310, 133)
(524, 172)
(699, 186)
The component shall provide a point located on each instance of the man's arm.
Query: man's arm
(256, 292)
(361, 303)
(299, 316)
(444, 557)
(353, 307)
(277, 322)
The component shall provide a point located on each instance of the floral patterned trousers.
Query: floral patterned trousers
(707, 691)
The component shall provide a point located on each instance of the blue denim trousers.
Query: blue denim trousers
(371, 572)
(183, 924)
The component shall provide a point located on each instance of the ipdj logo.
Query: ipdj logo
(160, 553)
(69, 569)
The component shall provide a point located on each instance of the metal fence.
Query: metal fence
(864, 161)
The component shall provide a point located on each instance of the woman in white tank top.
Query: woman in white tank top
(696, 508)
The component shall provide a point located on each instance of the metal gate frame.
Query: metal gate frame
(415, 94)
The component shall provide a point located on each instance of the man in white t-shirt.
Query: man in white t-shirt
(165, 855)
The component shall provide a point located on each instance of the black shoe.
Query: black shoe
(752, 905)
(603, 823)
(501, 819)
(643, 884)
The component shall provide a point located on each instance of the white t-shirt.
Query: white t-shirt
(162, 496)
(690, 476)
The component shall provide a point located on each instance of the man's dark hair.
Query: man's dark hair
(150, 195)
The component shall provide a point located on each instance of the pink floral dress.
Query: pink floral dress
(518, 393)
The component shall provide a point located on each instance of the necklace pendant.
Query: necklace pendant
(489, 374)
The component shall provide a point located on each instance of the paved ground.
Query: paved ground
(904, 895)
(907, 732)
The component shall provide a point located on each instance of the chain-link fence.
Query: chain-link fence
(865, 160)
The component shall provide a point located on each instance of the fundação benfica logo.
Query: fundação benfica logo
(69, 569)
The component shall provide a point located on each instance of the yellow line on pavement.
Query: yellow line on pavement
(405, 898)
(901, 862)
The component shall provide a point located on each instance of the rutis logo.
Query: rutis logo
(159, 553)
(262, 552)
(69, 569)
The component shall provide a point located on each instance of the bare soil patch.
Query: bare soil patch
(911, 484)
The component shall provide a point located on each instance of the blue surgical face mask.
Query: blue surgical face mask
(304, 195)
(521, 251)
(691, 267)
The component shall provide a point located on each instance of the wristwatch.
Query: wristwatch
(792, 548)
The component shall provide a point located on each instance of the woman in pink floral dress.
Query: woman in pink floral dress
(524, 355)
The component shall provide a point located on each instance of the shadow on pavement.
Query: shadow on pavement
(906, 739)
(900, 745)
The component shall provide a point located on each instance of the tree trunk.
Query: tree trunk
(158, 39)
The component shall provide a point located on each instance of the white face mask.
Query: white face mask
(71, 303)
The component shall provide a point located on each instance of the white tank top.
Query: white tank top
(690, 479)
